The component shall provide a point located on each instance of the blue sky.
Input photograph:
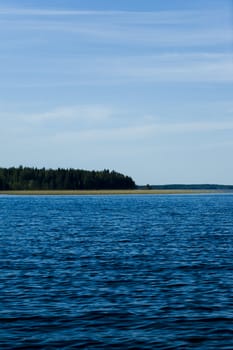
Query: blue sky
(141, 87)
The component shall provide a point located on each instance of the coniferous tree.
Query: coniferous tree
(26, 178)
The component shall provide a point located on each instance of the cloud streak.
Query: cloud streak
(89, 114)
(103, 122)
(114, 70)
(158, 16)
(159, 28)
(178, 68)
(128, 34)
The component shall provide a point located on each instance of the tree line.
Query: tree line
(27, 178)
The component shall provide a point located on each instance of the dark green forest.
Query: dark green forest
(26, 178)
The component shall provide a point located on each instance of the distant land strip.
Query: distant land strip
(34, 181)
(111, 192)
(187, 187)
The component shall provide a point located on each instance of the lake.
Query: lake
(116, 272)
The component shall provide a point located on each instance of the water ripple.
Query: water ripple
(116, 272)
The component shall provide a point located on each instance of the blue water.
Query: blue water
(116, 272)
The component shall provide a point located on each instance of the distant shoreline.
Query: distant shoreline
(112, 192)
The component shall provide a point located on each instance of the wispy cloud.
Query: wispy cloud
(89, 114)
(150, 137)
(205, 126)
(154, 35)
(113, 70)
(159, 28)
(96, 122)
(173, 67)
(14, 11)
(160, 17)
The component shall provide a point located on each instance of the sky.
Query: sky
(140, 87)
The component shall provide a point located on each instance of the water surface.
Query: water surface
(116, 272)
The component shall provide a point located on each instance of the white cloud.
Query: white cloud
(89, 114)
(158, 28)
(142, 130)
(112, 69)
(161, 17)
(16, 11)
(205, 126)
(99, 121)
(155, 35)
(173, 67)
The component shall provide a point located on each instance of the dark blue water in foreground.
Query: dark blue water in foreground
(116, 272)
